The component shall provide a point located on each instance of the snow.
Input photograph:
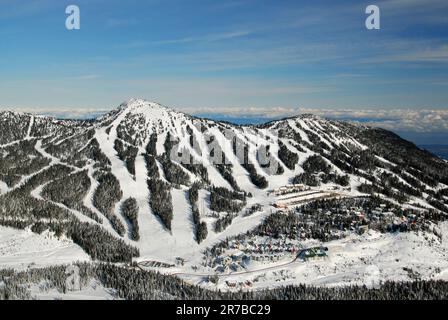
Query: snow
(154, 239)
(106, 143)
(93, 291)
(156, 242)
(3, 187)
(240, 174)
(182, 224)
(369, 259)
(302, 133)
(39, 149)
(216, 178)
(30, 127)
(36, 193)
(22, 248)
(88, 199)
(350, 260)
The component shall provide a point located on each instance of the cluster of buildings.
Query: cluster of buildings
(312, 253)
(292, 188)
(238, 260)
(267, 245)
(155, 264)
(380, 217)
(291, 196)
(231, 262)
(241, 252)
(239, 285)
(338, 220)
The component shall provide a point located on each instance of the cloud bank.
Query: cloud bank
(424, 121)
(401, 120)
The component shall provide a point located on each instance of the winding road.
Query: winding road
(228, 274)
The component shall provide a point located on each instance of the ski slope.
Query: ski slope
(22, 249)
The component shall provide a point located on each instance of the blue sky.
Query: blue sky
(208, 54)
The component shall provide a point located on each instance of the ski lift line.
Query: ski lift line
(302, 195)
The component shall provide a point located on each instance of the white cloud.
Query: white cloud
(401, 5)
(203, 38)
(423, 121)
(404, 120)
(61, 113)
(429, 54)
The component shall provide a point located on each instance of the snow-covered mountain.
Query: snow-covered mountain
(149, 183)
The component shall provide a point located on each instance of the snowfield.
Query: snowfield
(93, 291)
(3, 187)
(22, 249)
(369, 260)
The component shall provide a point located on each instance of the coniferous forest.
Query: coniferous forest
(134, 284)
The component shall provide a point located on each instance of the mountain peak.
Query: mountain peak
(136, 103)
(309, 116)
